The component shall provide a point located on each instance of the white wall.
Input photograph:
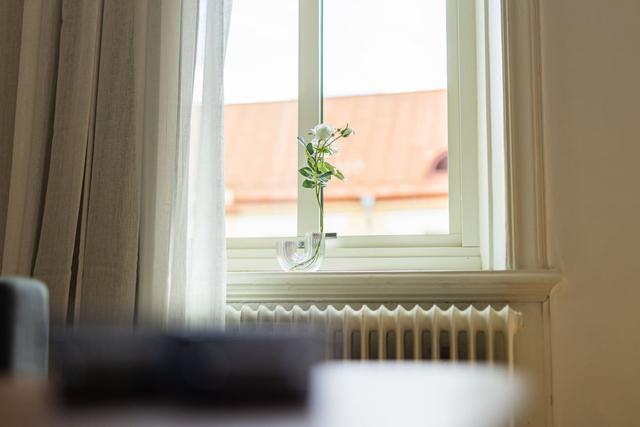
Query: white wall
(591, 73)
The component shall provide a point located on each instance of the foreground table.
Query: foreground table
(370, 394)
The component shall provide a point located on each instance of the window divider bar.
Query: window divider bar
(467, 125)
(453, 118)
(309, 99)
(468, 120)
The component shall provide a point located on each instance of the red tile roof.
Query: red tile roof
(399, 139)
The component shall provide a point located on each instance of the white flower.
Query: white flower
(322, 132)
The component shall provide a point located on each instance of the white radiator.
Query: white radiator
(453, 334)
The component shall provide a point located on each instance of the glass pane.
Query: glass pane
(385, 73)
(261, 113)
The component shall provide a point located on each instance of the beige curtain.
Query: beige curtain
(96, 144)
(77, 162)
(10, 29)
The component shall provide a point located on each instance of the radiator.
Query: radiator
(453, 334)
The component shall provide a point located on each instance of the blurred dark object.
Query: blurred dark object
(111, 366)
(24, 327)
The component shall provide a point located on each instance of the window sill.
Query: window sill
(364, 253)
(392, 286)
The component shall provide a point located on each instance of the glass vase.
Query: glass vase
(301, 254)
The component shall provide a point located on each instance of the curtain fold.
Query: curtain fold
(204, 290)
(10, 30)
(74, 105)
(177, 274)
(112, 201)
(107, 267)
(31, 140)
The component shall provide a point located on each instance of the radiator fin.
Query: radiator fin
(453, 334)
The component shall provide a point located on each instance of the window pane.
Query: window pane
(261, 113)
(385, 73)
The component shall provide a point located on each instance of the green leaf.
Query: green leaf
(338, 174)
(308, 184)
(311, 163)
(310, 148)
(306, 172)
(322, 167)
(326, 175)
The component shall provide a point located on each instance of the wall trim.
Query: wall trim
(400, 286)
(523, 127)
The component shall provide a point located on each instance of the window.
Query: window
(403, 74)
(385, 72)
(261, 115)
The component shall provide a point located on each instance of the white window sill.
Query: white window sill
(364, 253)
(392, 286)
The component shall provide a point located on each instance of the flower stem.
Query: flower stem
(316, 249)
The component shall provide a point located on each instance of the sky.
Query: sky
(370, 46)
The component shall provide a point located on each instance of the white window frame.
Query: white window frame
(509, 81)
(458, 250)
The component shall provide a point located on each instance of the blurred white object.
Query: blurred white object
(378, 394)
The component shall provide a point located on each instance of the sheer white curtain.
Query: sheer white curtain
(182, 246)
(206, 262)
